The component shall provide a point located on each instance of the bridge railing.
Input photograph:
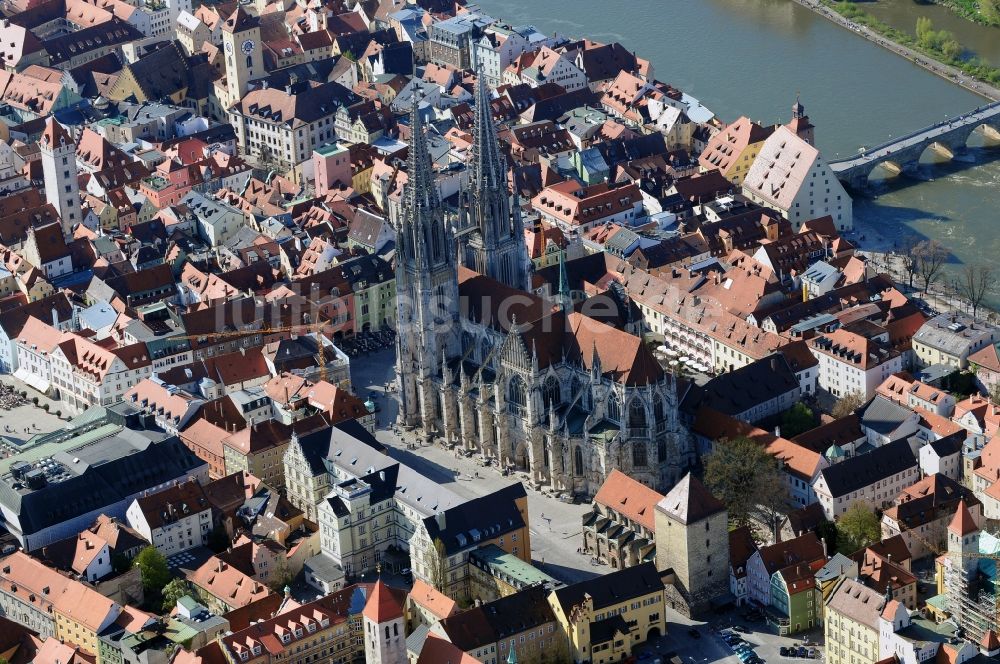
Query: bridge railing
(870, 152)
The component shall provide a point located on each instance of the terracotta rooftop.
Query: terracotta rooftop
(631, 498)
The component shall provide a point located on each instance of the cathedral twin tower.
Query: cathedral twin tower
(491, 243)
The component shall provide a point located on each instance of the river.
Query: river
(751, 57)
(979, 40)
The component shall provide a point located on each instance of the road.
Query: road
(953, 74)
(974, 118)
(555, 526)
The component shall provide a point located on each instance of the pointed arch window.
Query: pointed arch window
(614, 409)
(577, 461)
(659, 414)
(552, 394)
(639, 459)
(637, 419)
(517, 394)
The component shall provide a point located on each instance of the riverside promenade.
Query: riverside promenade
(953, 74)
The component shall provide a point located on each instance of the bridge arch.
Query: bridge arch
(938, 152)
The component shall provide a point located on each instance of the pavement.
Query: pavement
(709, 646)
(556, 531)
(15, 421)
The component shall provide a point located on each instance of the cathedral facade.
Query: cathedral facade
(486, 365)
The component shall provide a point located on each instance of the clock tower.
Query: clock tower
(244, 58)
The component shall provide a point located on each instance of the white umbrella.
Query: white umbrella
(672, 352)
(662, 348)
(685, 359)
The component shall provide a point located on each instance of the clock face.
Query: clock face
(247, 46)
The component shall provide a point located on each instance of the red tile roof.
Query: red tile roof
(384, 603)
(629, 497)
(962, 524)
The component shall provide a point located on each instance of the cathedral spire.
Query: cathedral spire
(565, 301)
(421, 192)
(488, 171)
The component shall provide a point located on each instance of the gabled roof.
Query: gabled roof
(629, 497)
(858, 472)
(611, 589)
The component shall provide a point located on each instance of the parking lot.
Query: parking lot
(696, 642)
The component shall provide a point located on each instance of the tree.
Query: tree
(797, 419)
(847, 404)
(930, 257)
(995, 394)
(857, 528)
(741, 474)
(975, 283)
(153, 569)
(173, 591)
(909, 262)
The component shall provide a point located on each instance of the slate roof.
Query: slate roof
(738, 391)
(109, 470)
(499, 620)
(611, 589)
(486, 517)
(860, 471)
(882, 415)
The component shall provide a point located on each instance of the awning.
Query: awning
(33, 380)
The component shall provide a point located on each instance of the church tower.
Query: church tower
(962, 571)
(495, 244)
(427, 304)
(62, 188)
(244, 57)
(800, 124)
(385, 639)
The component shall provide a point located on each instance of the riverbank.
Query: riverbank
(968, 10)
(945, 71)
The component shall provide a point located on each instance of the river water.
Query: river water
(980, 40)
(751, 57)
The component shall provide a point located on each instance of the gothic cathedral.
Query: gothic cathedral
(488, 366)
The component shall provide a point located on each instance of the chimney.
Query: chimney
(55, 318)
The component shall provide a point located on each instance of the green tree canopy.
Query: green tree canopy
(153, 569)
(797, 419)
(741, 474)
(857, 528)
(173, 591)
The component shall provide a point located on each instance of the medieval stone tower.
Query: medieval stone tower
(692, 539)
(62, 188)
(244, 56)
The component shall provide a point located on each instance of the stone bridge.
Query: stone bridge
(903, 154)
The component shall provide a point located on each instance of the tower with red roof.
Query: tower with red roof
(385, 638)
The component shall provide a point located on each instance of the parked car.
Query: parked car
(801, 652)
(811, 653)
(783, 651)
